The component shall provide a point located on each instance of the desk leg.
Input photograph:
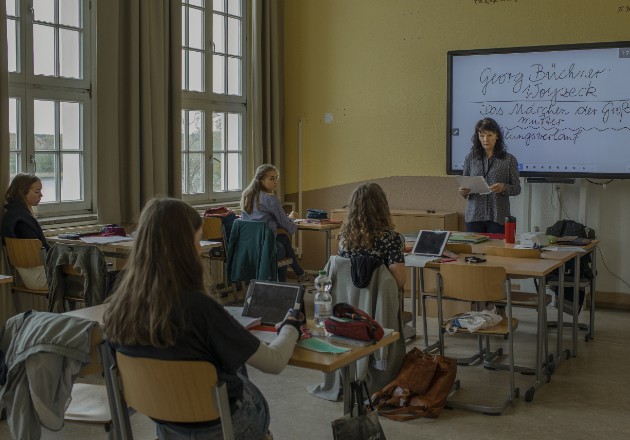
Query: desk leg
(541, 333)
(560, 300)
(414, 295)
(348, 373)
(328, 239)
(576, 301)
(591, 328)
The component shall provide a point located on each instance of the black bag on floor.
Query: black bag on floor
(364, 425)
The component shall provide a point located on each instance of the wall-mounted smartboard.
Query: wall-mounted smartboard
(564, 110)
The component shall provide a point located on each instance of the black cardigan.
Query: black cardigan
(18, 222)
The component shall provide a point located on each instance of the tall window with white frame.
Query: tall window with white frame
(50, 102)
(214, 99)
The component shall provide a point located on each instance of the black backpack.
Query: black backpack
(563, 228)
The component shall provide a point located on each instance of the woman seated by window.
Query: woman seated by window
(258, 203)
(19, 221)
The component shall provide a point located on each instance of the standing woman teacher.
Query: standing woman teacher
(488, 158)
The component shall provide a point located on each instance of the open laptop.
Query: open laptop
(270, 300)
(430, 243)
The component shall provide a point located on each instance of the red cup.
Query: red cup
(510, 229)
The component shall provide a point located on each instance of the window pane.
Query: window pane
(11, 7)
(195, 131)
(234, 132)
(218, 127)
(43, 50)
(234, 76)
(71, 177)
(195, 29)
(14, 161)
(218, 5)
(218, 75)
(69, 54)
(44, 10)
(14, 143)
(70, 126)
(217, 172)
(184, 30)
(234, 36)
(184, 174)
(234, 172)
(69, 13)
(45, 170)
(184, 63)
(12, 40)
(44, 125)
(196, 2)
(234, 7)
(218, 33)
(195, 71)
(196, 173)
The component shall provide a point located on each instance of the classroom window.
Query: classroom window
(214, 99)
(50, 103)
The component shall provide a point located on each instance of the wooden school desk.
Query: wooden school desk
(516, 268)
(301, 357)
(327, 228)
(589, 249)
(5, 279)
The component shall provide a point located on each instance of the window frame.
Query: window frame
(210, 102)
(26, 86)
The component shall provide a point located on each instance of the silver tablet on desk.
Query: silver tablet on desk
(476, 184)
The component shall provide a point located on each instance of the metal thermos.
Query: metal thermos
(510, 229)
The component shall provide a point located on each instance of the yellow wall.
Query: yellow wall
(380, 67)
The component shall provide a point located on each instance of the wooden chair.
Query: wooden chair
(68, 285)
(527, 300)
(172, 391)
(428, 290)
(90, 402)
(476, 283)
(24, 253)
(213, 229)
(248, 255)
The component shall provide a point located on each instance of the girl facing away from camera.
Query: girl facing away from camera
(160, 309)
(369, 230)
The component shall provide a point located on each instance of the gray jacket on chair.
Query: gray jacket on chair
(43, 353)
(381, 299)
(88, 261)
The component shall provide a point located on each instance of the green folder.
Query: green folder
(321, 346)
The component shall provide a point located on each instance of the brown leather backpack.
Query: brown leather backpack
(421, 388)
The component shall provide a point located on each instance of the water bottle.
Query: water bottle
(510, 229)
(323, 300)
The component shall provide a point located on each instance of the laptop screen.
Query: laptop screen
(270, 300)
(431, 243)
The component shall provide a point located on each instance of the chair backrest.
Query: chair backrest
(24, 252)
(251, 252)
(472, 282)
(512, 252)
(173, 391)
(459, 248)
(212, 228)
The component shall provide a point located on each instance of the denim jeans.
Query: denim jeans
(250, 420)
(485, 226)
(285, 250)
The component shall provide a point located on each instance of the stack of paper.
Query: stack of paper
(245, 321)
